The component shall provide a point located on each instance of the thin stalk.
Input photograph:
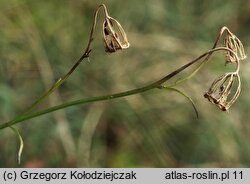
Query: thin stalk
(151, 86)
(65, 77)
(222, 30)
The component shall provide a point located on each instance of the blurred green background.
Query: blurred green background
(41, 40)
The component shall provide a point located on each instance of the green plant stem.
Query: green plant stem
(151, 86)
(55, 86)
(64, 78)
(222, 30)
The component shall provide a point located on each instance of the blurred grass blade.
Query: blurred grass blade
(21, 143)
(183, 94)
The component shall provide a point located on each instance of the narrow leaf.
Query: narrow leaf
(21, 143)
(190, 75)
(183, 94)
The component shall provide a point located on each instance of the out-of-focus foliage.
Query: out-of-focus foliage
(40, 41)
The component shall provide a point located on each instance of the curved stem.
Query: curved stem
(151, 86)
(208, 53)
(91, 38)
(65, 77)
(222, 30)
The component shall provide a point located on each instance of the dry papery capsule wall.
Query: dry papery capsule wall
(128, 131)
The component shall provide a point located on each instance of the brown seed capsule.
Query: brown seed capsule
(114, 36)
(219, 92)
(233, 43)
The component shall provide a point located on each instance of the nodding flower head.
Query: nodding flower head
(113, 35)
(233, 43)
(219, 92)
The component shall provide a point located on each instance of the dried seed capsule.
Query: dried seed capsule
(114, 36)
(219, 92)
(233, 43)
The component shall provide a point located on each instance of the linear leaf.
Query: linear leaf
(21, 143)
(183, 94)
